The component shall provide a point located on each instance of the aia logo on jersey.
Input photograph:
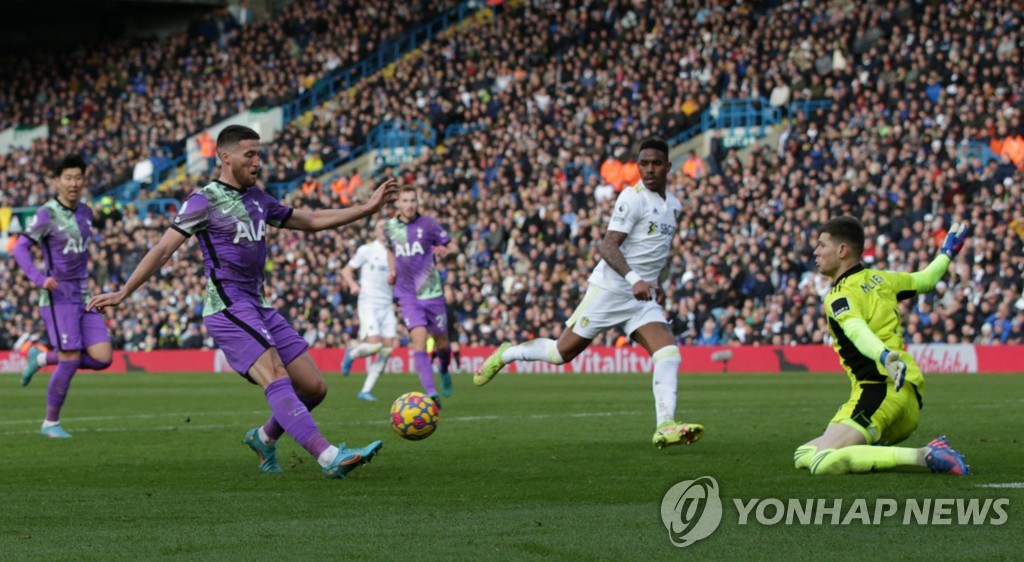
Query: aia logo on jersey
(404, 250)
(244, 229)
(74, 246)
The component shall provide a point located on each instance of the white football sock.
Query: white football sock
(327, 456)
(264, 438)
(47, 424)
(376, 368)
(540, 349)
(364, 349)
(666, 382)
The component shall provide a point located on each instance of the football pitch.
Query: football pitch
(530, 467)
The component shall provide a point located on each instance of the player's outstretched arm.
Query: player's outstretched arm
(612, 255)
(926, 279)
(322, 219)
(150, 264)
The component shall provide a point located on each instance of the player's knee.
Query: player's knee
(73, 362)
(667, 355)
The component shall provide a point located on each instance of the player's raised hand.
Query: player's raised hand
(100, 303)
(954, 239)
(895, 366)
(385, 193)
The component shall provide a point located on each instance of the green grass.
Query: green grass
(530, 467)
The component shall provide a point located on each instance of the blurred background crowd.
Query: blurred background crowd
(549, 99)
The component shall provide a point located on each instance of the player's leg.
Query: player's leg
(443, 352)
(63, 324)
(38, 358)
(876, 415)
(421, 360)
(98, 351)
(270, 373)
(369, 340)
(376, 366)
(657, 339)
(435, 315)
(585, 324)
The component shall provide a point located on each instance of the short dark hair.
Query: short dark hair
(654, 143)
(846, 230)
(68, 162)
(233, 134)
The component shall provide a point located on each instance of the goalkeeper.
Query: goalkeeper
(886, 383)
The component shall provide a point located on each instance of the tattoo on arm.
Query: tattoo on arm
(612, 254)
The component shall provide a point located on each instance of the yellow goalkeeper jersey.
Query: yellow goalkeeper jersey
(864, 319)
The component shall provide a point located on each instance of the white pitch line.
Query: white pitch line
(139, 416)
(1003, 485)
(185, 426)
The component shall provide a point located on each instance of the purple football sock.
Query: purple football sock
(57, 390)
(273, 428)
(293, 415)
(445, 355)
(92, 364)
(51, 358)
(421, 361)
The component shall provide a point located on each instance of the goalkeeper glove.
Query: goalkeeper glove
(895, 366)
(954, 240)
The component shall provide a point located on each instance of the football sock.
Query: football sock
(47, 424)
(273, 430)
(293, 415)
(57, 390)
(803, 456)
(859, 459)
(92, 364)
(327, 456)
(364, 349)
(666, 382)
(540, 349)
(376, 368)
(457, 358)
(48, 358)
(421, 362)
(445, 355)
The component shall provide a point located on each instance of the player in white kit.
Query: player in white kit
(625, 290)
(378, 326)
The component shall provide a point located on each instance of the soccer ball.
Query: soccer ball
(414, 416)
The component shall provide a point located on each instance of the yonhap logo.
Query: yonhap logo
(691, 510)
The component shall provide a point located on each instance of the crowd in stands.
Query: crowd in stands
(557, 91)
(122, 101)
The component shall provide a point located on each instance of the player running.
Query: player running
(414, 240)
(62, 228)
(625, 290)
(378, 326)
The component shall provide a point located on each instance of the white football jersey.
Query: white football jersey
(650, 224)
(372, 262)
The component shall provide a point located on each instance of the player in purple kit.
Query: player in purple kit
(62, 228)
(229, 217)
(413, 241)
